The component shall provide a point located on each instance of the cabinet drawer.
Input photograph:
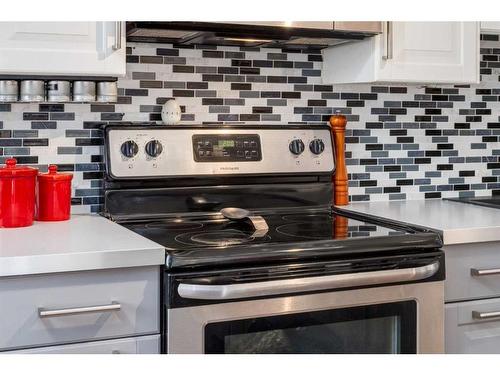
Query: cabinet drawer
(466, 332)
(131, 345)
(80, 306)
(462, 283)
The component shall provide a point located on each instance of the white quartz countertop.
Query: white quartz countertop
(458, 222)
(85, 242)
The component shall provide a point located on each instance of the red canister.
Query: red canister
(17, 195)
(54, 195)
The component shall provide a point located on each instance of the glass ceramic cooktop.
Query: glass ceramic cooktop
(217, 231)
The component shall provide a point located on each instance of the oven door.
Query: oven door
(402, 318)
(388, 328)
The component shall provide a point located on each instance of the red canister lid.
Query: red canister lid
(54, 175)
(11, 169)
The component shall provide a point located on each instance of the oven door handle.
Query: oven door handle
(307, 284)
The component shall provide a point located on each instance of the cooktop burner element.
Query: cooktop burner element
(305, 230)
(220, 238)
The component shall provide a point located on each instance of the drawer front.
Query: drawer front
(462, 283)
(469, 330)
(80, 306)
(131, 345)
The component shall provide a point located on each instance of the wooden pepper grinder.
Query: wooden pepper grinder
(340, 227)
(338, 123)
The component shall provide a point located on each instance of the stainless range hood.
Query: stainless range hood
(302, 34)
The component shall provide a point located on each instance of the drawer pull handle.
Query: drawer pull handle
(484, 272)
(114, 306)
(485, 315)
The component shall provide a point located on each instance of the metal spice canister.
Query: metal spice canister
(32, 91)
(84, 91)
(58, 91)
(9, 91)
(107, 92)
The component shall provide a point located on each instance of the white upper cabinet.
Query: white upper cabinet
(62, 48)
(419, 52)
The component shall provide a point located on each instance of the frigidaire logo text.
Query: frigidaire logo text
(229, 168)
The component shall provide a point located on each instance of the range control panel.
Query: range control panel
(134, 152)
(226, 147)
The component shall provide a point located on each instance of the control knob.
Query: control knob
(153, 148)
(296, 147)
(129, 149)
(316, 146)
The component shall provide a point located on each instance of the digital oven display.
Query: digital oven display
(223, 143)
(226, 147)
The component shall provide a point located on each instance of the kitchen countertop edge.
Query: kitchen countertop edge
(59, 263)
(447, 225)
(91, 242)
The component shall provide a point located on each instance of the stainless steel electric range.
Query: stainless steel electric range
(257, 260)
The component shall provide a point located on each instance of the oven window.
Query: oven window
(375, 329)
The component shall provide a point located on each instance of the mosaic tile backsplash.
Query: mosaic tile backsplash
(403, 141)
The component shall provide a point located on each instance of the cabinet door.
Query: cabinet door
(62, 48)
(418, 52)
(430, 52)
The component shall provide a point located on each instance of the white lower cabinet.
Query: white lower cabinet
(468, 330)
(85, 310)
(420, 52)
(472, 296)
(62, 48)
(133, 345)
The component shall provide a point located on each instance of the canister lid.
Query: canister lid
(11, 169)
(54, 175)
